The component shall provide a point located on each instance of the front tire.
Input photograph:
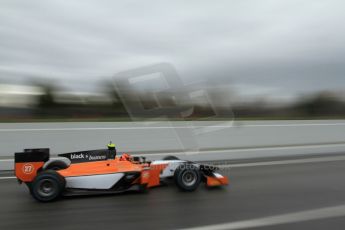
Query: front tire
(168, 158)
(187, 177)
(47, 186)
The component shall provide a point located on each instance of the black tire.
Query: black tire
(187, 177)
(142, 188)
(56, 165)
(29, 185)
(168, 158)
(48, 186)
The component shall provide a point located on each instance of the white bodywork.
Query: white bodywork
(104, 181)
(170, 169)
(53, 160)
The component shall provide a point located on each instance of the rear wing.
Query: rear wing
(29, 162)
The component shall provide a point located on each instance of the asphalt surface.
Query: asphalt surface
(255, 192)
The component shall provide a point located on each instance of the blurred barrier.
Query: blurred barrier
(212, 140)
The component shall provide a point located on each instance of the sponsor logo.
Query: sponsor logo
(99, 157)
(28, 168)
(77, 156)
(87, 157)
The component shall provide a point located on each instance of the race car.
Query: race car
(102, 171)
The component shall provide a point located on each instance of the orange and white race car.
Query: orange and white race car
(101, 171)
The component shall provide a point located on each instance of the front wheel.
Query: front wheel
(187, 177)
(168, 158)
(47, 186)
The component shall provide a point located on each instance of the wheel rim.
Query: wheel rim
(189, 178)
(46, 188)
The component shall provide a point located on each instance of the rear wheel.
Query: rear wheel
(187, 177)
(47, 186)
(56, 165)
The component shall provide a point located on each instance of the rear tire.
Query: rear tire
(56, 165)
(47, 186)
(187, 177)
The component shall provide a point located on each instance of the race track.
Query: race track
(293, 194)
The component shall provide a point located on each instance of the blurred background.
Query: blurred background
(253, 82)
(263, 60)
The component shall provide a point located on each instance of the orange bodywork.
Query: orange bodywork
(100, 167)
(27, 171)
(216, 181)
(154, 173)
(149, 175)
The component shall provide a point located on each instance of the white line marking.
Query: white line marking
(246, 149)
(12, 160)
(168, 127)
(7, 178)
(285, 162)
(295, 217)
(9, 160)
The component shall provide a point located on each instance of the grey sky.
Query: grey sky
(281, 46)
